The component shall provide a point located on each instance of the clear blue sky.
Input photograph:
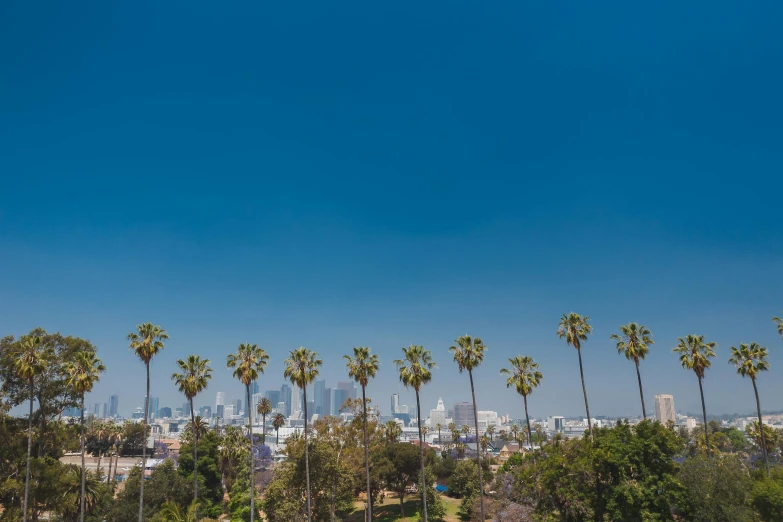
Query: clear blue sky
(337, 174)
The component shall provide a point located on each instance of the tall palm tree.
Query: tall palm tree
(83, 371)
(301, 368)
(750, 360)
(634, 345)
(146, 342)
(248, 361)
(695, 355)
(524, 377)
(29, 364)
(491, 432)
(779, 322)
(361, 368)
(264, 408)
(415, 371)
(468, 353)
(194, 379)
(439, 427)
(575, 328)
(392, 431)
(515, 432)
(278, 421)
(116, 438)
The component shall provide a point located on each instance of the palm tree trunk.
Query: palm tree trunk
(252, 460)
(108, 474)
(478, 453)
(641, 393)
(277, 439)
(263, 429)
(584, 391)
(421, 458)
(195, 450)
(366, 455)
(84, 474)
(29, 452)
(527, 418)
(116, 462)
(307, 455)
(144, 446)
(761, 427)
(704, 413)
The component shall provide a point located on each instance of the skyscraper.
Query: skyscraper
(296, 400)
(285, 396)
(114, 402)
(220, 399)
(350, 391)
(238, 407)
(205, 412)
(395, 403)
(326, 402)
(438, 415)
(274, 397)
(154, 406)
(463, 414)
(339, 396)
(318, 397)
(664, 408)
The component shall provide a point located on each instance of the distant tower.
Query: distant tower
(664, 408)
(114, 402)
(395, 403)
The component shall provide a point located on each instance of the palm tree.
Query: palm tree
(194, 378)
(469, 354)
(574, 329)
(361, 368)
(146, 342)
(302, 369)
(82, 490)
(750, 360)
(491, 432)
(264, 408)
(484, 440)
(116, 439)
(29, 364)
(392, 431)
(248, 361)
(524, 377)
(695, 355)
(634, 345)
(278, 421)
(779, 322)
(438, 427)
(515, 432)
(415, 371)
(82, 373)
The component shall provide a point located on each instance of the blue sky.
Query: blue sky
(332, 175)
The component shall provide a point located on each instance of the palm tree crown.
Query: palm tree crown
(302, 367)
(363, 365)
(248, 361)
(147, 341)
(195, 375)
(415, 367)
(468, 352)
(264, 406)
(779, 322)
(695, 354)
(84, 371)
(574, 329)
(750, 359)
(634, 341)
(523, 376)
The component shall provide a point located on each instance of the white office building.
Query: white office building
(664, 408)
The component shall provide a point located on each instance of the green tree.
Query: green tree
(524, 377)
(415, 370)
(146, 342)
(361, 368)
(83, 372)
(468, 353)
(634, 344)
(248, 361)
(750, 359)
(302, 368)
(29, 363)
(574, 329)
(717, 490)
(402, 464)
(278, 421)
(209, 477)
(165, 484)
(194, 378)
(766, 496)
(695, 355)
(264, 408)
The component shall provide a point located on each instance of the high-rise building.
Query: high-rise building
(228, 410)
(463, 414)
(220, 399)
(186, 408)
(114, 402)
(326, 402)
(255, 399)
(556, 423)
(438, 415)
(220, 411)
(664, 408)
(395, 403)
(339, 396)
(285, 396)
(254, 388)
(318, 398)
(349, 388)
(164, 412)
(154, 405)
(274, 397)
(296, 400)
(205, 412)
(238, 407)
